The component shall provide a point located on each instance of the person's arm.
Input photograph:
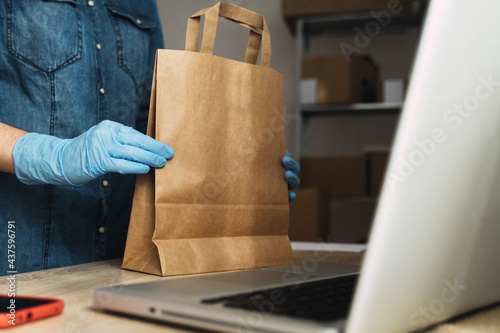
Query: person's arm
(8, 138)
(107, 147)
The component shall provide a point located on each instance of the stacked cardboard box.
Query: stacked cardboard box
(340, 175)
(376, 158)
(338, 197)
(350, 219)
(309, 215)
(340, 79)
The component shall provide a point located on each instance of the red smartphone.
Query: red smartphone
(18, 310)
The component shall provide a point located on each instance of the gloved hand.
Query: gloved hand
(291, 174)
(106, 147)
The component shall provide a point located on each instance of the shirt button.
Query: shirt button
(105, 183)
(102, 91)
(98, 46)
(90, 3)
(102, 230)
(138, 21)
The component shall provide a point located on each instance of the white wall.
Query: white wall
(231, 38)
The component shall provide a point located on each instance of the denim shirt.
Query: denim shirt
(66, 65)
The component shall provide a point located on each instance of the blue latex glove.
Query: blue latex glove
(106, 147)
(291, 174)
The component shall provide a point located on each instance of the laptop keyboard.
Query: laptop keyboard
(323, 300)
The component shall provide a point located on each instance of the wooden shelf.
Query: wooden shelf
(357, 109)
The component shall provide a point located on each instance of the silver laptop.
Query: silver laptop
(434, 248)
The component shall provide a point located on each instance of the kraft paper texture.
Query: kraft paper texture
(221, 202)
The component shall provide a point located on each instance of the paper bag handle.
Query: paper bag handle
(259, 31)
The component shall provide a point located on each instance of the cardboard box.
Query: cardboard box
(351, 219)
(340, 80)
(376, 158)
(309, 215)
(394, 91)
(341, 176)
(391, 90)
(308, 91)
(293, 9)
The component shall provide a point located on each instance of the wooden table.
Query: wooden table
(73, 284)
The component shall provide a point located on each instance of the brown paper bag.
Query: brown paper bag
(221, 203)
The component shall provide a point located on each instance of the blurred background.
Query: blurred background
(346, 66)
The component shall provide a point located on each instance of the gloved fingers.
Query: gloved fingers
(128, 167)
(135, 154)
(291, 196)
(131, 137)
(290, 164)
(292, 179)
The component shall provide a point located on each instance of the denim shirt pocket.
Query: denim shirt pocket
(46, 34)
(133, 41)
